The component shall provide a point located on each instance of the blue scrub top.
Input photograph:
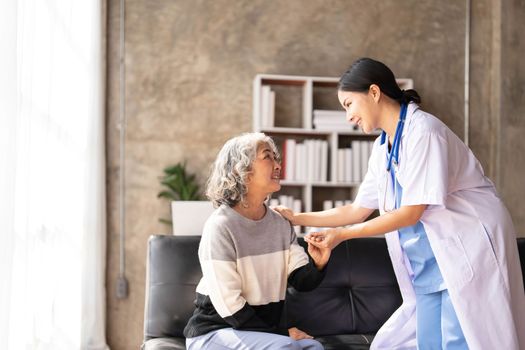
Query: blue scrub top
(427, 277)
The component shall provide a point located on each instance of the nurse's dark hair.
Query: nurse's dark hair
(366, 71)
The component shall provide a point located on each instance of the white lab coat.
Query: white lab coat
(469, 230)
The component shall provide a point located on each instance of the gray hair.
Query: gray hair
(229, 175)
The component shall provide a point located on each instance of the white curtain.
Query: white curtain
(52, 175)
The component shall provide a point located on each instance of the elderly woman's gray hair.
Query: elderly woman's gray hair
(227, 182)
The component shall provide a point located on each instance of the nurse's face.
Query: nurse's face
(361, 109)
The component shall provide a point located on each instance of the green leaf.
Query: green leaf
(180, 184)
(166, 221)
(167, 195)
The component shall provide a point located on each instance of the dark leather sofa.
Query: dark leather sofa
(356, 297)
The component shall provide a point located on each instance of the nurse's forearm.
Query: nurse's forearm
(402, 217)
(342, 216)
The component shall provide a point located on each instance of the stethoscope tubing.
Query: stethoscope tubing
(394, 155)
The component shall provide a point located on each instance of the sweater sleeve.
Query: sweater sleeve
(218, 261)
(303, 275)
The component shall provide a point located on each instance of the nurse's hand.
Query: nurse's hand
(326, 239)
(286, 212)
(297, 334)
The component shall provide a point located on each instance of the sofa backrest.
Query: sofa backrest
(172, 274)
(357, 295)
(521, 249)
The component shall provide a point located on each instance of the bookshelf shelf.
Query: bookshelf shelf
(324, 157)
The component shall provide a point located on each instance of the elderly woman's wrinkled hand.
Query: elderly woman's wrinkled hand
(297, 334)
(320, 255)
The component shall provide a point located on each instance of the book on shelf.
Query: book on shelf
(288, 161)
(306, 161)
(352, 162)
(267, 107)
(331, 120)
(340, 165)
(356, 160)
(329, 204)
(348, 162)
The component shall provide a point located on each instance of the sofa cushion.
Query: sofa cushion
(346, 342)
(165, 344)
(521, 249)
(357, 295)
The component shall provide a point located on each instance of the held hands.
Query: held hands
(297, 334)
(319, 255)
(328, 239)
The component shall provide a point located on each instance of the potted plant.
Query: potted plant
(188, 210)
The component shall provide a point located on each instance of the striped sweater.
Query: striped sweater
(246, 266)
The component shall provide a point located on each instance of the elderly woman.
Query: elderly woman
(248, 254)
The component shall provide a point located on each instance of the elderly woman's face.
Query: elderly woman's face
(266, 172)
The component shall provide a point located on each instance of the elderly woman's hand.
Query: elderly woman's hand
(297, 334)
(319, 255)
(286, 212)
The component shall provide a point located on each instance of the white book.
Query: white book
(316, 160)
(348, 202)
(338, 204)
(340, 165)
(265, 102)
(282, 199)
(289, 172)
(319, 165)
(328, 204)
(330, 118)
(348, 165)
(324, 161)
(341, 122)
(365, 155)
(310, 159)
(291, 201)
(274, 202)
(310, 146)
(304, 162)
(297, 205)
(325, 112)
(322, 119)
(271, 110)
(299, 174)
(356, 161)
(338, 127)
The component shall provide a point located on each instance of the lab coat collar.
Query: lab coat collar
(411, 109)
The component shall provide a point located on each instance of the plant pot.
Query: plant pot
(189, 217)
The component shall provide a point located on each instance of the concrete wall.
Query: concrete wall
(189, 70)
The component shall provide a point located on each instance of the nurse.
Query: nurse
(450, 238)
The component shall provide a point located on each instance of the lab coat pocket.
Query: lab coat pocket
(455, 266)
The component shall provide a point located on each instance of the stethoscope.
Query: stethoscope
(393, 158)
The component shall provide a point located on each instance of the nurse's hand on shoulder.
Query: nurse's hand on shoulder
(325, 239)
(286, 212)
(297, 334)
